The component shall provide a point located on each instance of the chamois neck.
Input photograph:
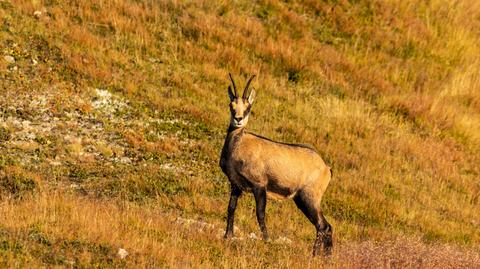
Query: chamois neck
(233, 135)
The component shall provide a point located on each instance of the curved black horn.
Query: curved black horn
(246, 87)
(233, 84)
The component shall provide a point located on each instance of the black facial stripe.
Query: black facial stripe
(245, 113)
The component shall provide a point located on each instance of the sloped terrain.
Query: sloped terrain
(113, 115)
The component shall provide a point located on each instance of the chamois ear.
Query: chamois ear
(251, 96)
(231, 95)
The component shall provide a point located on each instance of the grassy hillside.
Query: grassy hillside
(113, 115)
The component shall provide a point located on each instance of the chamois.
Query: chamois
(274, 169)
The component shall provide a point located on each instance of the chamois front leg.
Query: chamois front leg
(261, 201)
(232, 205)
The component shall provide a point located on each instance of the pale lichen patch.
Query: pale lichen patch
(83, 127)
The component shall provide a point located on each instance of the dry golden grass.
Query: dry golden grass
(82, 231)
(388, 91)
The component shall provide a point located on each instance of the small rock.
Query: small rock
(167, 166)
(122, 253)
(55, 163)
(9, 59)
(26, 123)
(125, 160)
(34, 62)
(252, 236)
(37, 14)
(283, 240)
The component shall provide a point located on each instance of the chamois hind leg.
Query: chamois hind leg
(261, 202)
(326, 235)
(324, 230)
(232, 205)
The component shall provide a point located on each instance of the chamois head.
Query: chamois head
(240, 107)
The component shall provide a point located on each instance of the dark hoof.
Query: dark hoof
(327, 245)
(266, 238)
